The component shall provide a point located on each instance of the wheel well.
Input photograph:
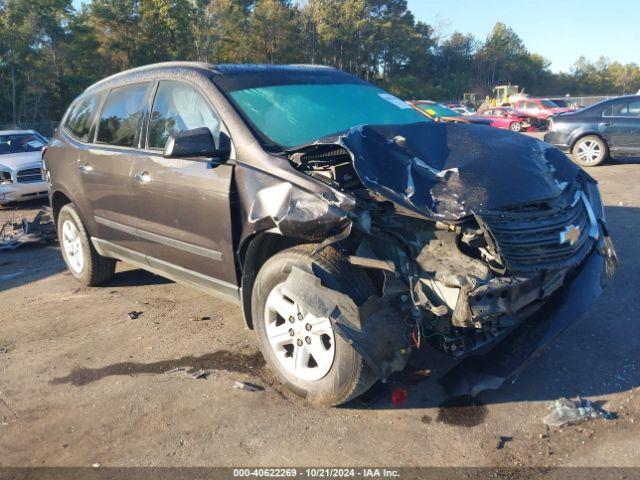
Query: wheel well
(58, 200)
(589, 134)
(257, 251)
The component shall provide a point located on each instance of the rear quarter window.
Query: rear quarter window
(79, 119)
(122, 115)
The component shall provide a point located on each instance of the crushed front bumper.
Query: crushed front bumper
(509, 357)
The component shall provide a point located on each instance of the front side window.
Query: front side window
(294, 115)
(121, 115)
(78, 122)
(178, 107)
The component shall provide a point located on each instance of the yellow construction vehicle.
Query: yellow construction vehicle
(504, 95)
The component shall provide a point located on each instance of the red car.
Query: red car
(541, 108)
(506, 117)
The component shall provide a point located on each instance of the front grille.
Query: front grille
(30, 175)
(529, 239)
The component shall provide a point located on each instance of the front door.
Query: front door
(183, 214)
(622, 124)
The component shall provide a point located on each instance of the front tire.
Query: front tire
(515, 127)
(590, 151)
(314, 361)
(83, 261)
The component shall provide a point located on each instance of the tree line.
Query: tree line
(50, 51)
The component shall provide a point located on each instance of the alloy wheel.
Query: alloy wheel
(72, 246)
(303, 343)
(589, 151)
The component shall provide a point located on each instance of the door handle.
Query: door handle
(142, 177)
(85, 167)
(605, 124)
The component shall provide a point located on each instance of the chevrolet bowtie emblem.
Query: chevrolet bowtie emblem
(570, 235)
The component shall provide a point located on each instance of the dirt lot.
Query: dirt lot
(81, 383)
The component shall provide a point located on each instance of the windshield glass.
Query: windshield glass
(437, 110)
(548, 104)
(21, 143)
(294, 115)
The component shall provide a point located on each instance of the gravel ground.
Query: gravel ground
(82, 383)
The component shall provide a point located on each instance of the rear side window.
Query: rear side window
(634, 109)
(177, 108)
(624, 110)
(79, 120)
(620, 110)
(121, 115)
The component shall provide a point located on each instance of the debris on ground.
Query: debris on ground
(134, 315)
(502, 441)
(249, 387)
(199, 318)
(174, 370)
(96, 465)
(201, 374)
(40, 230)
(571, 412)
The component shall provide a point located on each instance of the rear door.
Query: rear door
(621, 123)
(105, 166)
(182, 206)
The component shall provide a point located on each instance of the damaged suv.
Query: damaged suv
(355, 233)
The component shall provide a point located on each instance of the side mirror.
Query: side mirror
(198, 142)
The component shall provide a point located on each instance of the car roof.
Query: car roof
(626, 97)
(611, 101)
(16, 132)
(221, 70)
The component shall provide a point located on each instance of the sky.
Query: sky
(559, 30)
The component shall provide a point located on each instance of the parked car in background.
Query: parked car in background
(541, 108)
(21, 166)
(565, 103)
(439, 113)
(607, 129)
(463, 110)
(507, 118)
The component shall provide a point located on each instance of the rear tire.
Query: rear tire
(590, 151)
(339, 374)
(85, 264)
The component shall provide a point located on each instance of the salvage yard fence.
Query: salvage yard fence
(584, 101)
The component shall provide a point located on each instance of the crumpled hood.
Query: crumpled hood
(18, 161)
(447, 171)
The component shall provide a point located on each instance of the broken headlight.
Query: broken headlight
(5, 178)
(592, 193)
